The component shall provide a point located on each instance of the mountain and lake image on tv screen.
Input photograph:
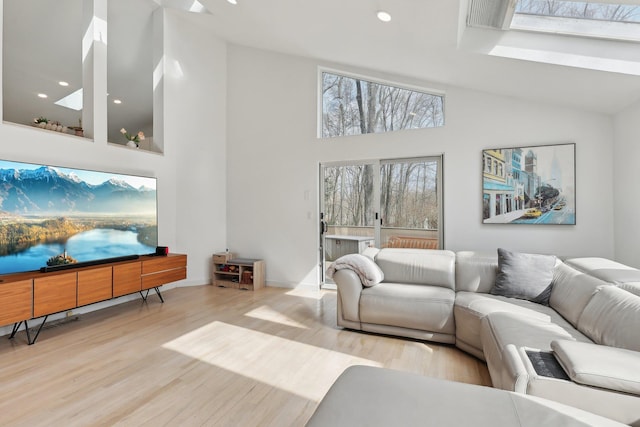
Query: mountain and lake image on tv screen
(52, 215)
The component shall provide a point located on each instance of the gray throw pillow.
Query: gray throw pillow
(524, 276)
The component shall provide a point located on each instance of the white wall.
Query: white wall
(195, 128)
(273, 157)
(627, 189)
(192, 170)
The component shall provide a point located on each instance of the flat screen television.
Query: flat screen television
(53, 215)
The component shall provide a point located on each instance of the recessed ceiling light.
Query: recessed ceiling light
(117, 101)
(61, 83)
(384, 16)
(42, 95)
(233, 1)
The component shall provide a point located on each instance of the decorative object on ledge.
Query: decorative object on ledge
(133, 141)
(44, 123)
(41, 122)
(529, 185)
(78, 129)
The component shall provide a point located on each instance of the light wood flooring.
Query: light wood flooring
(208, 356)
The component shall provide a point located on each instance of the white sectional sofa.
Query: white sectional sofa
(379, 397)
(582, 349)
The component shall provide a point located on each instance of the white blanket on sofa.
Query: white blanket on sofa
(366, 269)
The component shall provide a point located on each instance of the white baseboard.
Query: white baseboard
(293, 285)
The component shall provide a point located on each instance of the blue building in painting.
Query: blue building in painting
(510, 180)
(498, 194)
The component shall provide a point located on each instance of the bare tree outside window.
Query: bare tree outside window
(352, 106)
(580, 10)
(408, 194)
(348, 195)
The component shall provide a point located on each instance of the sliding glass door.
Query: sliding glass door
(382, 203)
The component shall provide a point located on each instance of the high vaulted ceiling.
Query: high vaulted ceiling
(423, 40)
(426, 40)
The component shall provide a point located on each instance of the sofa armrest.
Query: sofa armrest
(349, 290)
(599, 366)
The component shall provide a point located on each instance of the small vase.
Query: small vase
(132, 144)
(42, 125)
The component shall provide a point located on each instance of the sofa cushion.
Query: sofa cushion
(621, 275)
(526, 331)
(525, 276)
(476, 271)
(599, 366)
(571, 291)
(605, 269)
(428, 308)
(609, 317)
(419, 266)
(471, 307)
(633, 287)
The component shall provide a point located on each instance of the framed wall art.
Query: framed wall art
(529, 185)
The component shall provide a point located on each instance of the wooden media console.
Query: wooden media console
(31, 295)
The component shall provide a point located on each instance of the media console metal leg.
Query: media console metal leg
(37, 332)
(145, 295)
(16, 326)
(159, 294)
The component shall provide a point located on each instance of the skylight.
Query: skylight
(598, 35)
(73, 100)
(580, 9)
(578, 18)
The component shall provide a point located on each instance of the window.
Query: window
(580, 9)
(354, 106)
(592, 34)
(581, 18)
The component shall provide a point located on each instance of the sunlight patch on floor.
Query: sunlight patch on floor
(269, 314)
(306, 293)
(298, 368)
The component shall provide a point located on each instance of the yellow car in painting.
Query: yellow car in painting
(532, 213)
